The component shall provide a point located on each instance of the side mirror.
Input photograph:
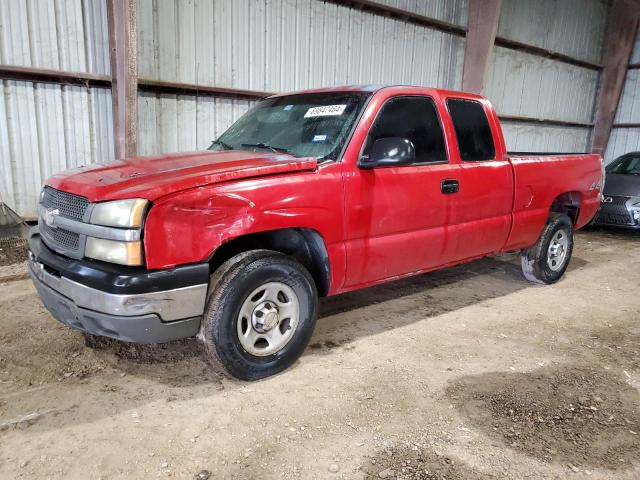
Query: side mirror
(389, 152)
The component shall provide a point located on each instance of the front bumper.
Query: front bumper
(615, 216)
(125, 303)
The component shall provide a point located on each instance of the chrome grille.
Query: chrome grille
(60, 237)
(69, 205)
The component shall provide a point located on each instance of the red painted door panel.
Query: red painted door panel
(480, 212)
(396, 220)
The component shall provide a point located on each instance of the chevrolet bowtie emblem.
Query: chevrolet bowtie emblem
(49, 216)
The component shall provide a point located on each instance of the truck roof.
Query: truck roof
(377, 87)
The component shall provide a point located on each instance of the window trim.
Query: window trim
(354, 127)
(415, 164)
(493, 142)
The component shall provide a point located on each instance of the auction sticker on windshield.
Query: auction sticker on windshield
(325, 111)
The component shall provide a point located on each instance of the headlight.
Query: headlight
(124, 253)
(119, 213)
(633, 205)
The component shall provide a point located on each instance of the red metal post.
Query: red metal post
(483, 25)
(124, 74)
(621, 33)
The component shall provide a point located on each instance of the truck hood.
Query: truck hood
(157, 176)
(622, 185)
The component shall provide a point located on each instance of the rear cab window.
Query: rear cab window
(473, 132)
(414, 118)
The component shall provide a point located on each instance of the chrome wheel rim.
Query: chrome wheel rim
(557, 252)
(268, 319)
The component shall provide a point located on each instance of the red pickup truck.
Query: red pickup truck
(307, 195)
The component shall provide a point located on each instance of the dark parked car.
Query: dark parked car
(620, 205)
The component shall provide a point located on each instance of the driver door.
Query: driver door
(396, 216)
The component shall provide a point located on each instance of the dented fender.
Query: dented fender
(189, 226)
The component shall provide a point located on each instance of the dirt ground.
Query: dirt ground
(12, 250)
(466, 373)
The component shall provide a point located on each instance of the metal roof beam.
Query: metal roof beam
(481, 35)
(621, 34)
(124, 73)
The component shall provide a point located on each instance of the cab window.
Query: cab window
(414, 118)
(473, 133)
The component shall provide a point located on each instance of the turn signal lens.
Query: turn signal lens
(123, 253)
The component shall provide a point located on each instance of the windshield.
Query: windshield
(628, 164)
(305, 125)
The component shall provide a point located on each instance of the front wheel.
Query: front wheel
(260, 315)
(548, 259)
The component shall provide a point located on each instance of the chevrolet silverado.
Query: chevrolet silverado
(307, 195)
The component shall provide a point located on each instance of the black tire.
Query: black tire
(534, 260)
(230, 286)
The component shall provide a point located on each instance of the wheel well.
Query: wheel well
(303, 244)
(569, 204)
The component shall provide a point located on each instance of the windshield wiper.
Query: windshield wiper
(264, 145)
(224, 145)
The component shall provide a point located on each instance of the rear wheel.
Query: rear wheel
(548, 259)
(260, 315)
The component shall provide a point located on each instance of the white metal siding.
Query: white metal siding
(624, 140)
(47, 128)
(527, 85)
(70, 35)
(284, 45)
(172, 123)
(521, 137)
(629, 105)
(452, 11)
(635, 56)
(571, 27)
(274, 46)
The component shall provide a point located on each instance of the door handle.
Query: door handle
(449, 185)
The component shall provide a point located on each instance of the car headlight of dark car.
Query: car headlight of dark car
(633, 205)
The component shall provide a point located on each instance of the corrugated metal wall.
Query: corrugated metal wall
(526, 85)
(525, 137)
(452, 11)
(282, 45)
(572, 27)
(624, 140)
(45, 128)
(172, 123)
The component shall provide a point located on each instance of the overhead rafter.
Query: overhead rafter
(621, 34)
(124, 73)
